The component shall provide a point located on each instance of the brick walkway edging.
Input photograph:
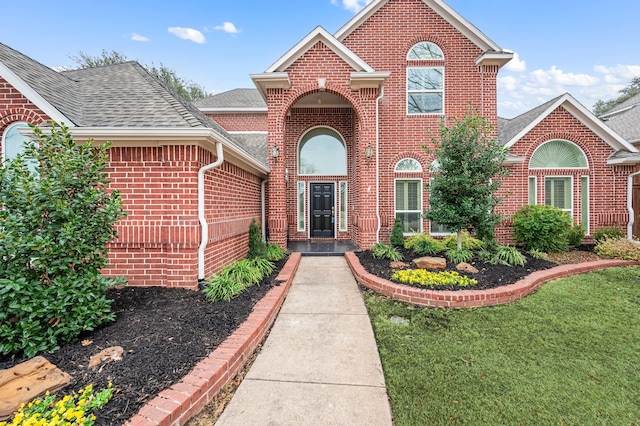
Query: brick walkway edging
(473, 298)
(177, 404)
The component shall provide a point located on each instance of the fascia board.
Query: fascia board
(494, 58)
(21, 86)
(585, 117)
(361, 80)
(319, 34)
(160, 136)
(233, 110)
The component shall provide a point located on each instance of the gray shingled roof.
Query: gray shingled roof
(122, 95)
(627, 122)
(254, 143)
(509, 128)
(57, 89)
(236, 98)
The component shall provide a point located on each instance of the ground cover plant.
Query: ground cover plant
(567, 354)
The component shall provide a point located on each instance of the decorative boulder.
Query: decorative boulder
(397, 265)
(465, 267)
(430, 262)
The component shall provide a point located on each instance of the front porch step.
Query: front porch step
(322, 247)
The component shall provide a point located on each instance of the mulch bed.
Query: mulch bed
(489, 276)
(164, 333)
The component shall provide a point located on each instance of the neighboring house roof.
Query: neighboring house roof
(495, 54)
(625, 119)
(511, 131)
(240, 100)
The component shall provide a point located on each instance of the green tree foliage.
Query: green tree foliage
(257, 246)
(628, 92)
(468, 175)
(54, 227)
(185, 88)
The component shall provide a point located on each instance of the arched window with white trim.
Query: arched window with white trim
(564, 179)
(425, 82)
(13, 141)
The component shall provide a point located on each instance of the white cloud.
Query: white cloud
(520, 92)
(354, 6)
(620, 74)
(188, 34)
(227, 27)
(138, 37)
(515, 64)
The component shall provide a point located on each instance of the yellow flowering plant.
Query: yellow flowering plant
(432, 279)
(71, 410)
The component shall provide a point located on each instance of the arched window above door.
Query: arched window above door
(322, 152)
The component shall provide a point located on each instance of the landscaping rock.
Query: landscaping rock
(430, 262)
(398, 265)
(26, 381)
(465, 267)
(113, 353)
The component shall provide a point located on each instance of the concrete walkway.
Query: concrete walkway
(320, 364)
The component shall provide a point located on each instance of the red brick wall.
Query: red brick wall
(241, 122)
(607, 184)
(159, 239)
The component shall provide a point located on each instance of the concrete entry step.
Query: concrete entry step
(322, 247)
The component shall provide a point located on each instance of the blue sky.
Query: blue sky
(589, 49)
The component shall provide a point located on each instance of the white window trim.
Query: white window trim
(413, 114)
(535, 190)
(395, 169)
(588, 224)
(421, 203)
(4, 135)
(303, 185)
(425, 59)
(342, 140)
(570, 211)
(345, 206)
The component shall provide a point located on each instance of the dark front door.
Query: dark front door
(322, 210)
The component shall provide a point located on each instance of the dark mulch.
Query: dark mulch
(164, 333)
(489, 276)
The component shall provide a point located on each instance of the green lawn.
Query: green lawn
(567, 355)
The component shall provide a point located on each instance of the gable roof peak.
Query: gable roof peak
(438, 6)
(319, 34)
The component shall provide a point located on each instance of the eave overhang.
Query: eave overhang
(368, 80)
(160, 136)
(494, 58)
(267, 80)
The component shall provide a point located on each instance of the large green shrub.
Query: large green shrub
(54, 227)
(542, 228)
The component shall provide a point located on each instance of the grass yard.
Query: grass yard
(567, 355)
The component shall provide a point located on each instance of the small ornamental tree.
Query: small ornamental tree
(467, 175)
(55, 223)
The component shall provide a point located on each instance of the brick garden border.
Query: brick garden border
(473, 298)
(177, 404)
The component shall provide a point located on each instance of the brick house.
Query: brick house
(328, 146)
